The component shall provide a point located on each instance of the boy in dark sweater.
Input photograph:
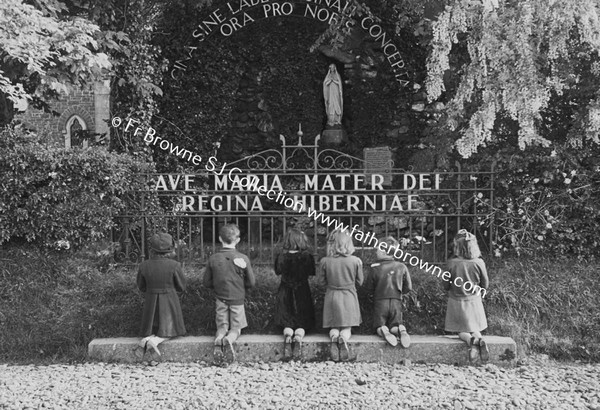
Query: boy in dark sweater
(229, 273)
(388, 280)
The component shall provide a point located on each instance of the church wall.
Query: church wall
(91, 105)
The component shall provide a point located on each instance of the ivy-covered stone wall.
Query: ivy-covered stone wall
(239, 93)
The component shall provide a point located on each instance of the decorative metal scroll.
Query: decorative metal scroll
(422, 210)
(300, 157)
(333, 159)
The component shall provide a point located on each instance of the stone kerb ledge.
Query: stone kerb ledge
(269, 348)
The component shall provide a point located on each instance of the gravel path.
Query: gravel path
(297, 386)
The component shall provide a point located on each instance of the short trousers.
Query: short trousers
(387, 312)
(230, 316)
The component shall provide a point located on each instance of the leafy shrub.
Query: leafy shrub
(546, 200)
(52, 305)
(58, 197)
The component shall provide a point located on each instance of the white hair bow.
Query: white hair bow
(466, 234)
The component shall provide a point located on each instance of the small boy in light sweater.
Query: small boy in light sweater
(229, 273)
(388, 280)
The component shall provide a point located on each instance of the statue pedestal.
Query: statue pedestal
(333, 137)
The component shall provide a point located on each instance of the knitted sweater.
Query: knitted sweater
(229, 273)
(388, 279)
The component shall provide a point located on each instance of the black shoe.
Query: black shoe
(150, 344)
(473, 351)
(404, 339)
(334, 351)
(228, 351)
(484, 352)
(287, 348)
(297, 348)
(139, 351)
(218, 356)
(344, 350)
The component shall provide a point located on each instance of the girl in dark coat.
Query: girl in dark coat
(160, 278)
(295, 311)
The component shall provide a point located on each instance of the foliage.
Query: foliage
(198, 108)
(547, 305)
(520, 54)
(521, 83)
(56, 47)
(60, 198)
(546, 200)
(195, 110)
(129, 28)
(292, 82)
(43, 52)
(53, 303)
(139, 67)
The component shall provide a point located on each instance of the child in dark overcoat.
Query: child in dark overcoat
(160, 278)
(295, 312)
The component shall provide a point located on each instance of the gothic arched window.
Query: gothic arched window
(75, 128)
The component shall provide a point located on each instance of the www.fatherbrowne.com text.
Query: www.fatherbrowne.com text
(252, 183)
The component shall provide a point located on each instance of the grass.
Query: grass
(53, 304)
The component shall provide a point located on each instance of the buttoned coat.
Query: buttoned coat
(340, 274)
(160, 279)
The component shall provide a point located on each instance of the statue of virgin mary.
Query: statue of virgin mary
(332, 92)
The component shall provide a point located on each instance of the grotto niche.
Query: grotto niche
(237, 93)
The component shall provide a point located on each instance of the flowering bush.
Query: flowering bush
(549, 201)
(57, 197)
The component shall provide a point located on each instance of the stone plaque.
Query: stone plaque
(379, 161)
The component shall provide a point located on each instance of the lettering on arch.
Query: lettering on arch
(237, 14)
